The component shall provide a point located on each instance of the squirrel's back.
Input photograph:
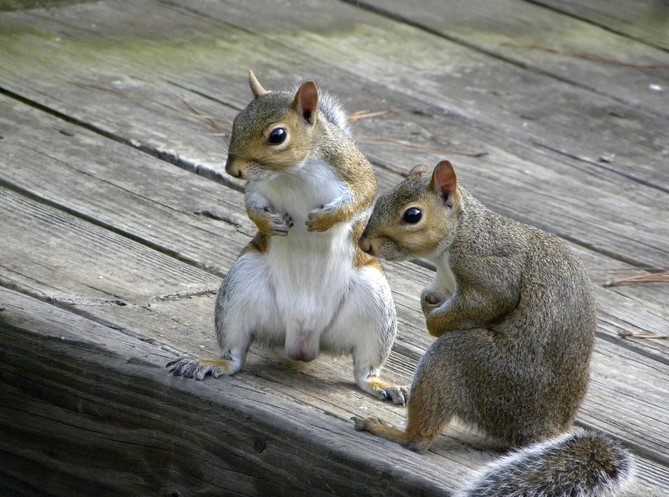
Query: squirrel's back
(577, 464)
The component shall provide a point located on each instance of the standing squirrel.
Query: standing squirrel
(302, 281)
(515, 315)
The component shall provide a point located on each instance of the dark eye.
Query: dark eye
(277, 136)
(412, 215)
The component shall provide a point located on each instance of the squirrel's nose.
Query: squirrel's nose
(232, 166)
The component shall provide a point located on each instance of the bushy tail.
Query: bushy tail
(576, 464)
(334, 112)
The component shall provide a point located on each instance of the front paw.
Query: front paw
(429, 301)
(321, 219)
(274, 223)
(281, 223)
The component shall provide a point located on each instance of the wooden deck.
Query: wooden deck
(117, 223)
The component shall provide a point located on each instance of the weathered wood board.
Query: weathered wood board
(551, 43)
(543, 176)
(646, 20)
(95, 414)
(112, 250)
(97, 291)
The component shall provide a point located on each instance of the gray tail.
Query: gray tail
(334, 112)
(577, 464)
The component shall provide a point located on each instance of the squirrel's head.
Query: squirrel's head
(415, 218)
(274, 132)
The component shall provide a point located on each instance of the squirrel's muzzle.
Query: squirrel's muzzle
(234, 166)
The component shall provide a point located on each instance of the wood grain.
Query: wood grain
(94, 413)
(551, 43)
(509, 166)
(646, 20)
(127, 304)
(112, 250)
(135, 183)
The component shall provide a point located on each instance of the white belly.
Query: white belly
(310, 272)
(444, 282)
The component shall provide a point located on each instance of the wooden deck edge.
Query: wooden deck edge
(89, 410)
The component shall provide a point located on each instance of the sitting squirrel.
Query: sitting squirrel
(515, 315)
(302, 281)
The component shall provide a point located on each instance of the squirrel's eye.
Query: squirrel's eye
(412, 215)
(277, 136)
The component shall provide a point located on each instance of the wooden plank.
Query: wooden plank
(66, 179)
(130, 181)
(143, 306)
(493, 193)
(646, 20)
(172, 202)
(461, 80)
(151, 317)
(92, 389)
(491, 196)
(549, 42)
(533, 172)
(274, 379)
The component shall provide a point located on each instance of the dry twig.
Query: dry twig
(642, 336)
(365, 114)
(641, 279)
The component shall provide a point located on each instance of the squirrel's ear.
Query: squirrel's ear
(444, 182)
(418, 171)
(256, 87)
(306, 101)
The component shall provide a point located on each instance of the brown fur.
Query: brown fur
(515, 337)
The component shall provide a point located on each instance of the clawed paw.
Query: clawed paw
(280, 223)
(198, 370)
(363, 424)
(387, 391)
(396, 394)
(320, 219)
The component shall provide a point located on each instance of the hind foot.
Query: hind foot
(199, 369)
(397, 394)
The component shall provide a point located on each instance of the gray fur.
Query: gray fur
(556, 468)
(515, 314)
(334, 113)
